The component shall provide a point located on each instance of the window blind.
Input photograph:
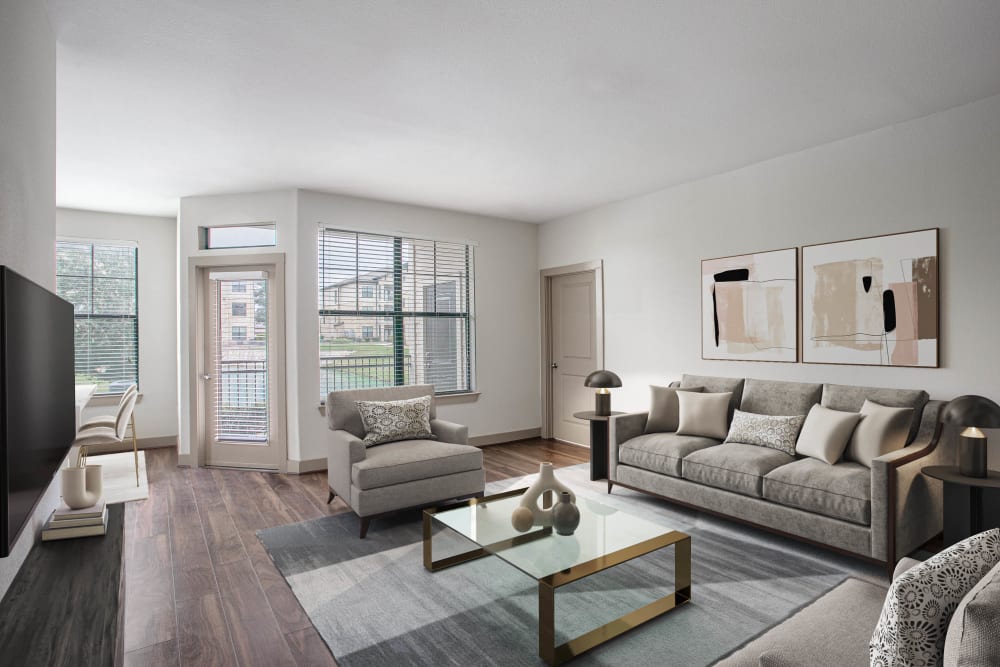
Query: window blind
(100, 280)
(394, 310)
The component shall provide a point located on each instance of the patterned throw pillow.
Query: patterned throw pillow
(388, 421)
(920, 602)
(766, 430)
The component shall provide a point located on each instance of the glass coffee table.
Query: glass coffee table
(606, 537)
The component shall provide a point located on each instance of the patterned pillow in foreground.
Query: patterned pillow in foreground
(918, 608)
(766, 430)
(389, 421)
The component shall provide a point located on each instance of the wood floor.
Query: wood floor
(201, 589)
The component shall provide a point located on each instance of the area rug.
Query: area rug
(373, 602)
(119, 476)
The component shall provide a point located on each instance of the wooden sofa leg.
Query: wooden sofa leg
(364, 527)
(331, 497)
(610, 484)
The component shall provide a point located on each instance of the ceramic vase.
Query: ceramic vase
(528, 513)
(565, 515)
(82, 487)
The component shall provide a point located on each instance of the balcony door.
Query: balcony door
(241, 368)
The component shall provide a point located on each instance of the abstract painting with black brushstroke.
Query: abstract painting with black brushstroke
(872, 301)
(749, 307)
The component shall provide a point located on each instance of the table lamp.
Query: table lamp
(973, 413)
(603, 380)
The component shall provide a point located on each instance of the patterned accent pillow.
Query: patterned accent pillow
(389, 421)
(766, 430)
(920, 602)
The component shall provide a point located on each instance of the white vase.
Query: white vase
(82, 487)
(528, 513)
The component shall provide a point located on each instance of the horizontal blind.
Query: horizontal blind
(394, 310)
(100, 280)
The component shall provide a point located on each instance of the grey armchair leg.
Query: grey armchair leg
(331, 497)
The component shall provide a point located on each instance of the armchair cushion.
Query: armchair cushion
(411, 460)
(389, 421)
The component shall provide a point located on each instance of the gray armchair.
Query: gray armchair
(384, 479)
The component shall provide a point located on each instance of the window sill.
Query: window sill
(442, 399)
(109, 399)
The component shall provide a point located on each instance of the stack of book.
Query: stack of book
(65, 523)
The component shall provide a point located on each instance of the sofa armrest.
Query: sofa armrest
(343, 450)
(450, 432)
(622, 428)
(907, 506)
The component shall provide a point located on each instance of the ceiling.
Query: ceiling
(516, 108)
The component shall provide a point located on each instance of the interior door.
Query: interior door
(240, 368)
(573, 327)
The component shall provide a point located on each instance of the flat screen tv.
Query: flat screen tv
(37, 396)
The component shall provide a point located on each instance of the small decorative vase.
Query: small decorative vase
(82, 487)
(529, 514)
(565, 515)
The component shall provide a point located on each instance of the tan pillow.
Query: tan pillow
(705, 415)
(663, 408)
(826, 433)
(881, 430)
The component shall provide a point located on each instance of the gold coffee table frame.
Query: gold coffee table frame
(547, 648)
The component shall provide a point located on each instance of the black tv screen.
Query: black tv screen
(37, 396)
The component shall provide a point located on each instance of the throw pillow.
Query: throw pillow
(826, 433)
(704, 415)
(776, 432)
(389, 421)
(664, 411)
(973, 632)
(881, 430)
(918, 607)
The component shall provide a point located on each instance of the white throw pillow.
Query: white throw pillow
(776, 432)
(918, 607)
(881, 430)
(388, 421)
(826, 433)
(704, 415)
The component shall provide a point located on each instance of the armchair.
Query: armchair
(396, 476)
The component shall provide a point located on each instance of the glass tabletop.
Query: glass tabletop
(542, 552)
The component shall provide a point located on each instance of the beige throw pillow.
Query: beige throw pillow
(881, 430)
(826, 433)
(664, 409)
(704, 415)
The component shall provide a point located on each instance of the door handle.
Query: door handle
(206, 377)
(555, 365)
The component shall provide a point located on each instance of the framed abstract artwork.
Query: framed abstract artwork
(749, 307)
(872, 301)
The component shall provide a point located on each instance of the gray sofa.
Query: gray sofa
(879, 514)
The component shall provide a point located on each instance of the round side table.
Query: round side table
(971, 504)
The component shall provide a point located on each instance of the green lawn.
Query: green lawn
(359, 349)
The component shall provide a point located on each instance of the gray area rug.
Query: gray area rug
(373, 602)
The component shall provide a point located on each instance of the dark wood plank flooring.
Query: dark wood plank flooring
(201, 589)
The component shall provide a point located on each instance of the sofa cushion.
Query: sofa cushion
(342, 410)
(776, 432)
(664, 408)
(410, 460)
(661, 452)
(775, 397)
(842, 491)
(920, 603)
(826, 433)
(881, 430)
(850, 398)
(733, 467)
(717, 385)
(973, 638)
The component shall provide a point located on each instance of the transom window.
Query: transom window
(419, 332)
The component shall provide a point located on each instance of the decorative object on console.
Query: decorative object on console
(973, 413)
(82, 484)
(603, 380)
(825, 434)
(565, 515)
(528, 513)
(391, 421)
(749, 307)
(872, 301)
(776, 432)
(704, 415)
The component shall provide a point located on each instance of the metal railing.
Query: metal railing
(359, 372)
(241, 401)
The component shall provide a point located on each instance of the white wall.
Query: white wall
(27, 180)
(939, 171)
(156, 410)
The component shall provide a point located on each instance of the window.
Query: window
(239, 333)
(239, 287)
(238, 236)
(239, 309)
(100, 280)
(422, 334)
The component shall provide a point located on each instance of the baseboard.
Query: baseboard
(185, 460)
(308, 465)
(126, 445)
(501, 438)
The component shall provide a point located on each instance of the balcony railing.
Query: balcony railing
(359, 372)
(241, 401)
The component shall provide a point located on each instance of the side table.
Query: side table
(598, 442)
(971, 504)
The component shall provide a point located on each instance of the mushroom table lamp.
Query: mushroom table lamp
(603, 381)
(973, 413)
